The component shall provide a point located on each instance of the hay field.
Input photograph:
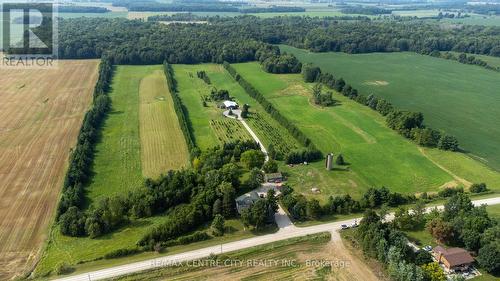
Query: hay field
(163, 146)
(457, 98)
(40, 116)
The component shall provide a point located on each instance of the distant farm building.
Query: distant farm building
(453, 259)
(273, 178)
(229, 104)
(246, 200)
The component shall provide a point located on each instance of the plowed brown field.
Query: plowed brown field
(40, 116)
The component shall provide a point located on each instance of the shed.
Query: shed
(273, 177)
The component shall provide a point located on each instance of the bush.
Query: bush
(478, 188)
(448, 192)
(63, 268)
(303, 155)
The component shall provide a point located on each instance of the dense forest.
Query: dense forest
(238, 39)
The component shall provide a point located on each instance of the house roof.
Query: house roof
(248, 198)
(455, 256)
(228, 103)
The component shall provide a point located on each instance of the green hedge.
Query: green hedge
(180, 110)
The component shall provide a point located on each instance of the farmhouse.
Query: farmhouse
(229, 104)
(274, 177)
(453, 258)
(246, 200)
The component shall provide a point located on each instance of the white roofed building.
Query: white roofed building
(230, 104)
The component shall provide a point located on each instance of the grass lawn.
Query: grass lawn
(421, 237)
(452, 96)
(117, 162)
(163, 146)
(85, 254)
(494, 211)
(377, 156)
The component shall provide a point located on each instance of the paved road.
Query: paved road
(282, 234)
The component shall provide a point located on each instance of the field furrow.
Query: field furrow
(40, 117)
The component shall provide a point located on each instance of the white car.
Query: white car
(344, 226)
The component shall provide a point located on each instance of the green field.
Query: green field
(117, 162)
(475, 19)
(453, 97)
(208, 122)
(492, 61)
(377, 156)
(163, 146)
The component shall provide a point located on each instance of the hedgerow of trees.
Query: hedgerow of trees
(81, 158)
(180, 110)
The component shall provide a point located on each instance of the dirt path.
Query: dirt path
(355, 268)
(448, 184)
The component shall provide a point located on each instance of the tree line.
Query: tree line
(216, 175)
(465, 59)
(180, 110)
(407, 123)
(310, 153)
(81, 158)
(300, 208)
(238, 39)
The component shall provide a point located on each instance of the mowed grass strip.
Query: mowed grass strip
(191, 91)
(457, 98)
(117, 162)
(377, 156)
(163, 146)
